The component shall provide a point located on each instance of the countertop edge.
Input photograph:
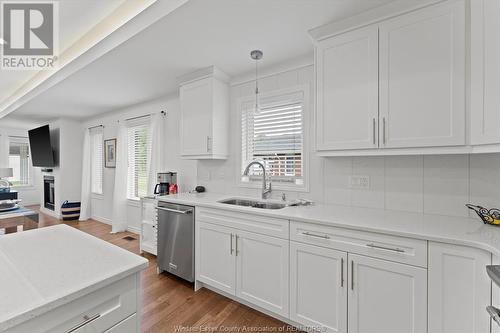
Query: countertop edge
(333, 223)
(50, 305)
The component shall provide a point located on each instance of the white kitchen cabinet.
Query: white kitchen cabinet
(215, 257)
(485, 71)
(386, 297)
(149, 226)
(204, 98)
(262, 271)
(422, 77)
(347, 94)
(398, 84)
(318, 287)
(114, 307)
(459, 289)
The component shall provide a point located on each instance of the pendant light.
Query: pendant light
(256, 55)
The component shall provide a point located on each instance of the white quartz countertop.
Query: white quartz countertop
(42, 269)
(448, 229)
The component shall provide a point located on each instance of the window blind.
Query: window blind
(96, 159)
(139, 150)
(19, 161)
(274, 134)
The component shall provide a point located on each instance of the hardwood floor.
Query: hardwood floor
(170, 304)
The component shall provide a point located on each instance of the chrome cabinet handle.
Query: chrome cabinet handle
(307, 233)
(86, 321)
(175, 210)
(231, 244)
(237, 245)
(208, 144)
(341, 272)
(383, 130)
(374, 131)
(396, 249)
(352, 274)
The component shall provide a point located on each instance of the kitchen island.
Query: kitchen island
(59, 279)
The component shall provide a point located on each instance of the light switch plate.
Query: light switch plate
(359, 182)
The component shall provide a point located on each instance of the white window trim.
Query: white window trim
(307, 113)
(141, 121)
(30, 185)
(97, 194)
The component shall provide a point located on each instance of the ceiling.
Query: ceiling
(75, 19)
(198, 34)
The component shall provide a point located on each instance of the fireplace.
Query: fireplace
(48, 192)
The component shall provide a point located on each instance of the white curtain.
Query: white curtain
(85, 194)
(154, 159)
(119, 222)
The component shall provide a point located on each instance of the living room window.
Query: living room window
(97, 158)
(274, 133)
(19, 161)
(139, 150)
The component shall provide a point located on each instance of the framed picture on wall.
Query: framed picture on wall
(110, 153)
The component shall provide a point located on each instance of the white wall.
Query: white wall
(30, 195)
(440, 184)
(101, 205)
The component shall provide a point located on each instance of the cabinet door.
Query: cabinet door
(262, 271)
(459, 289)
(215, 259)
(386, 297)
(318, 287)
(422, 78)
(196, 117)
(347, 95)
(485, 71)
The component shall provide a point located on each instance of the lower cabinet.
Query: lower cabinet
(386, 297)
(262, 271)
(331, 280)
(318, 287)
(459, 289)
(215, 257)
(252, 266)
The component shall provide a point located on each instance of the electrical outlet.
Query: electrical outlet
(359, 182)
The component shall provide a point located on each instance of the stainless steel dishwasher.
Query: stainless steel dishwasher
(176, 240)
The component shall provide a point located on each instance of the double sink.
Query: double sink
(254, 203)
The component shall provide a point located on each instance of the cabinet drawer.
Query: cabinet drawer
(95, 312)
(399, 249)
(249, 222)
(129, 325)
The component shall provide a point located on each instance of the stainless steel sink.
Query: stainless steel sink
(253, 203)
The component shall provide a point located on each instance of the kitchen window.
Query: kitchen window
(97, 159)
(274, 133)
(139, 150)
(20, 161)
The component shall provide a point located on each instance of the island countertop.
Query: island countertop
(42, 269)
(440, 228)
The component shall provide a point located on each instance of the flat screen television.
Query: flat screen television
(42, 154)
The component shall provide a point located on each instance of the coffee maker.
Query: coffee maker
(165, 179)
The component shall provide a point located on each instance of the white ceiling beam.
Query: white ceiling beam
(125, 22)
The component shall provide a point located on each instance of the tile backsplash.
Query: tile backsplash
(438, 184)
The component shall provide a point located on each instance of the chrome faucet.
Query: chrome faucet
(266, 191)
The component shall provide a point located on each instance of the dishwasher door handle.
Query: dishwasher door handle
(175, 210)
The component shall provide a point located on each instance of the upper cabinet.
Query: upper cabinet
(394, 86)
(485, 72)
(204, 98)
(347, 100)
(422, 78)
